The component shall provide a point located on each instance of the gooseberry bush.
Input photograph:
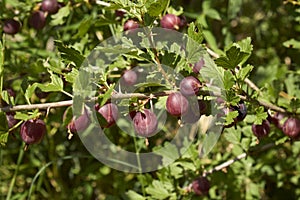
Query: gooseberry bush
(216, 98)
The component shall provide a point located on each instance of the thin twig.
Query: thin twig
(251, 85)
(45, 106)
(239, 157)
(225, 164)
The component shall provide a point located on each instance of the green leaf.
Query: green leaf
(55, 85)
(78, 103)
(234, 56)
(58, 18)
(245, 143)
(244, 72)
(71, 76)
(212, 13)
(232, 97)
(3, 138)
(67, 117)
(195, 32)
(3, 124)
(176, 172)
(83, 85)
(30, 91)
(212, 74)
(103, 21)
(234, 6)
(233, 135)
(157, 190)
(156, 7)
(261, 115)
(7, 98)
(228, 80)
(169, 153)
(107, 95)
(292, 43)
(230, 117)
(281, 140)
(84, 27)
(24, 117)
(245, 45)
(186, 165)
(132, 195)
(211, 40)
(69, 53)
(295, 104)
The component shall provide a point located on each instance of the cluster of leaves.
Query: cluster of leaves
(48, 60)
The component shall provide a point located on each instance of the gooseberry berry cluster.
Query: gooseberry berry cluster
(36, 20)
(289, 125)
(144, 120)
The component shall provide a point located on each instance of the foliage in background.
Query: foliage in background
(49, 59)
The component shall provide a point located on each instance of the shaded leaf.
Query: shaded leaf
(69, 53)
(156, 7)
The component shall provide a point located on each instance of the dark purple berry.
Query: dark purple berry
(11, 92)
(189, 86)
(37, 20)
(242, 109)
(201, 186)
(198, 66)
(50, 6)
(145, 123)
(291, 127)
(170, 21)
(261, 130)
(32, 131)
(129, 78)
(11, 26)
(109, 112)
(120, 13)
(177, 104)
(80, 123)
(183, 21)
(276, 119)
(10, 117)
(130, 25)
